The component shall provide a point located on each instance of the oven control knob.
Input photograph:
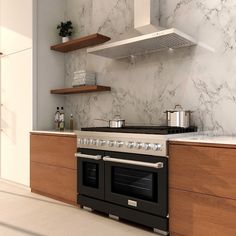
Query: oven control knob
(97, 142)
(138, 145)
(85, 141)
(147, 146)
(91, 141)
(156, 146)
(119, 144)
(94, 142)
(110, 143)
(130, 144)
(102, 142)
(81, 141)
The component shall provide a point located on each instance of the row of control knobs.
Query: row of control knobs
(119, 144)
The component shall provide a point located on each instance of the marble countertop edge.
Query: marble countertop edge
(207, 137)
(65, 132)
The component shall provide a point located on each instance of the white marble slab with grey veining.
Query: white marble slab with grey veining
(200, 78)
(227, 140)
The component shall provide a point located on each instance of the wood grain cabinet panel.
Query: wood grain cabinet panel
(53, 150)
(53, 170)
(194, 214)
(208, 170)
(55, 181)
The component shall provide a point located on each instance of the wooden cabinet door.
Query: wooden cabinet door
(208, 170)
(53, 181)
(53, 150)
(53, 170)
(194, 214)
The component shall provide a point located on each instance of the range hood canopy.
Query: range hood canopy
(155, 38)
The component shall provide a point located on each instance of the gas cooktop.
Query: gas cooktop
(143, 129)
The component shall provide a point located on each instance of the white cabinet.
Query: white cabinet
(16, 118)
(16, 25)
(16, 88)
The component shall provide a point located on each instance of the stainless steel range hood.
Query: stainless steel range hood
(162, 40)
(146, 20)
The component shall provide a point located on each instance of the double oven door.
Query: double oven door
(130, 180)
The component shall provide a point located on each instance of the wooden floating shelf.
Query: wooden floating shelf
(87, 41)
(81, 89)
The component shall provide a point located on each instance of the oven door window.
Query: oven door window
(90, 174)
(134, 183)
(140, 187)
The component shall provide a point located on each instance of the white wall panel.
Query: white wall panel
(16, 25)
(50, 64)
(16, 88)
(16, 122)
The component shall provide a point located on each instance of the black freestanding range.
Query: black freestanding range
(124, 173)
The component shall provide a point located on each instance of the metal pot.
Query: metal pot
(117, 122)
(178, 117)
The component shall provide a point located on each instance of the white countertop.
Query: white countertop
(66, 132)
(199, 138)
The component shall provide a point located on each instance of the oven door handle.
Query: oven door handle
(158, 165)
(91, 157)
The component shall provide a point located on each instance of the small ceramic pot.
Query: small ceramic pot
(65, 39)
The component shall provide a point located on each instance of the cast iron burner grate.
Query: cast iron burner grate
(143, 129)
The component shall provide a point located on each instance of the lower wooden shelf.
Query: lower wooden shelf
(81, 89)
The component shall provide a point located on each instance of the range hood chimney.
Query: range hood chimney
(147, 16)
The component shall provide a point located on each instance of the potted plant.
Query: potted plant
(65, 30)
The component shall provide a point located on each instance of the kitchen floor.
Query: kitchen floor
(25, 213)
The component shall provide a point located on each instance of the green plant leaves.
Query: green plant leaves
(65, 29)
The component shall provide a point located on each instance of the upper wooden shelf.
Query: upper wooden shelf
(81, 89)
(87, 41)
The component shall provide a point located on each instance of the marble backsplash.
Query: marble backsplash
(200, 78)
